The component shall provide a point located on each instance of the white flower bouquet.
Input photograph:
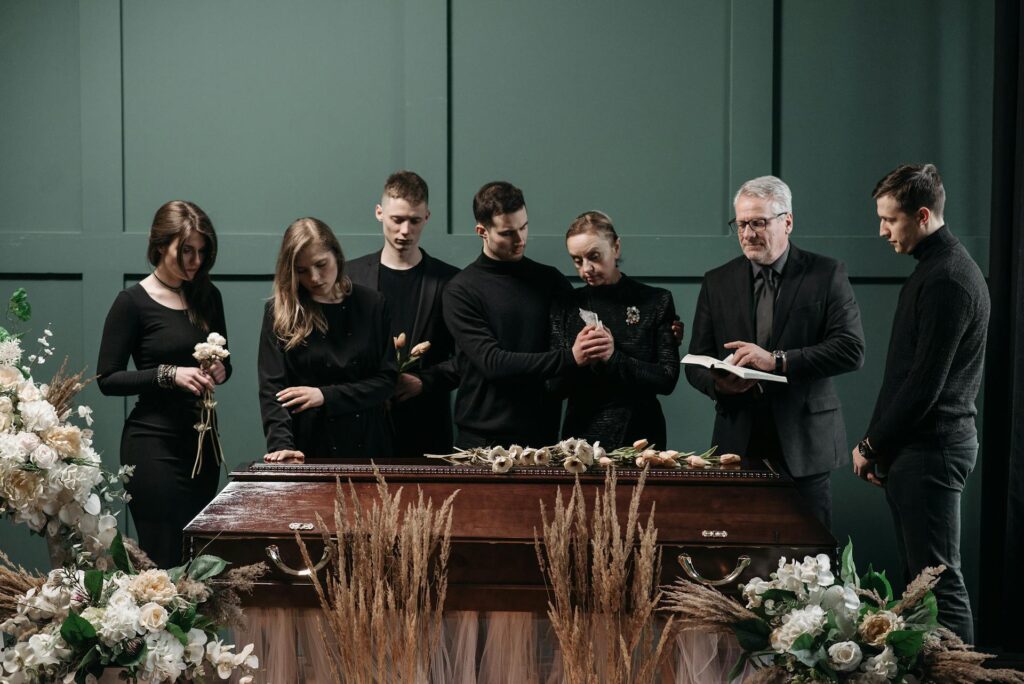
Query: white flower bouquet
(802, 625)
(51, 478)
(577, 456)
(158, 626)
(207, 354)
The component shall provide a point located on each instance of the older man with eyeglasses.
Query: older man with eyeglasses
(780, 310)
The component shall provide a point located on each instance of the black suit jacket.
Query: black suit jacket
(423, 424)
(817, 323)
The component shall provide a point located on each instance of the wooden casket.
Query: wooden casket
(721, 525)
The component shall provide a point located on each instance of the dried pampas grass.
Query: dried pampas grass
(383, 599)
(946, 659)
(63, 388)
(705, 609)
(603, 587)
(15, 582)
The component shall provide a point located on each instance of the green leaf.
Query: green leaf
(752, 634)
(94, 584)
(77, 632)
(804, 642)
(778, 595)
(737, 669)
(176, 573)
(906, 643)
(808, 657)
(91, 656)
(205, 567)
(19, 306)
(847, 568)
(878, 582)
(178, 632)
(128, 660)
(4, 335)
(120, 556)
(183, 619)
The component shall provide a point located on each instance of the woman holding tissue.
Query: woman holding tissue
(326, 363)
(615, 401)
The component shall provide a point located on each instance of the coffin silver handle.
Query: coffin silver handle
(275, 555)
(687, 562)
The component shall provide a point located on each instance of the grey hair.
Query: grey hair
(768, 188)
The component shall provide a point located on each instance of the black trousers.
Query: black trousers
(815, 490)
(923, 490)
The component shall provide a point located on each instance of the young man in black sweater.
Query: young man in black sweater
(922, 442)
(498, 312)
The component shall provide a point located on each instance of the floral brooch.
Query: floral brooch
(632, 315)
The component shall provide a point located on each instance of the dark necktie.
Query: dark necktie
(764, 305)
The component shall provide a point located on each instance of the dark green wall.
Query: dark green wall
(653, 111)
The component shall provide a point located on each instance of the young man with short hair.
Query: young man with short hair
(922, 442)
(413, 283)
(498, 311)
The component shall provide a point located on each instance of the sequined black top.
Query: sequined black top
(616, 402)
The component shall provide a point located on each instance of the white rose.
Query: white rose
(6, 405)
(44, 457)
(27, 391)
(542, 457)
(152, 617)
(6, 421)
(10, 378)
(216, 339)
(28, 441)
(528, 457)
(875, 627)
(844, 656)
(38, 415)
(809, 620)
(882, 665)
(574, 465)
(585, 453)
(501, 463)
(515, 452)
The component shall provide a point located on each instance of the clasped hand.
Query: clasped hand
(864, 468)
(593, 344)
(298, 399)
(197, 380)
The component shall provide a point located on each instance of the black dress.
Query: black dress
(615, 402)
(158, 438)
(353, 364)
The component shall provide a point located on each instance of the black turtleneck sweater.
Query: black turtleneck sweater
(936, 350)
(498, 314)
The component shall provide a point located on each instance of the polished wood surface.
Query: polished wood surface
(714, 515)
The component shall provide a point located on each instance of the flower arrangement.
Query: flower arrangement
(801, 625)
(414, 356)
(51, 478)
(207, 354)
(578, 456)
(158, 626)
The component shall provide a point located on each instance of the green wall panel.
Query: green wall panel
(654, 112)
(298, 110)
(40, 116)
(894, 82)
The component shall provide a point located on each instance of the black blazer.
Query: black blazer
(353, 364)
(423, 424)
(817, 323)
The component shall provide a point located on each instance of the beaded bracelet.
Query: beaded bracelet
(165, 375)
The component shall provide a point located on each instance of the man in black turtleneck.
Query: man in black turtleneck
(497, 310)
(922, 443)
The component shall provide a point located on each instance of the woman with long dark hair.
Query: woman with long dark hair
(327, 365)
(156, 323)
(614, 400)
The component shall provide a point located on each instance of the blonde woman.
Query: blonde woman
(326, 361)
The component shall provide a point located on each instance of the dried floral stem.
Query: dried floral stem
(15, 582)
(917, 589)
(603, 584)
(948, 660)
(63, 388)
(383, 599)
(700, 608)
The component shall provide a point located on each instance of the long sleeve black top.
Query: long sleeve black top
(150, 334)
(616, 402)
(936, 349)
(353, 363)
(499, 314)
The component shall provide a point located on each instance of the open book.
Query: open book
(745, 373)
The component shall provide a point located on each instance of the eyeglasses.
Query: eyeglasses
(758, 225)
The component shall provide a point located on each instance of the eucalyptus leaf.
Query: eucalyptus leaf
(205, 567)
(752, 634)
